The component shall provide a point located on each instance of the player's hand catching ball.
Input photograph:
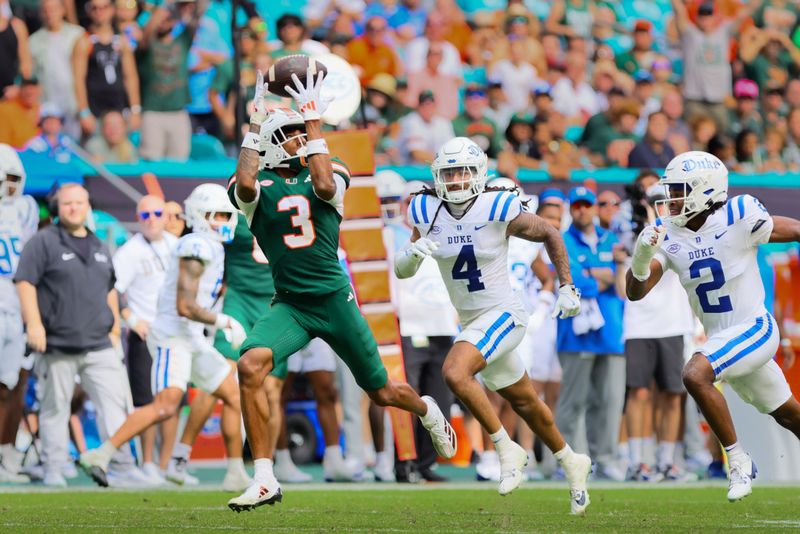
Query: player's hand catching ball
(568, 303)
(309, 100)
(259, 114)
(232, 329)
(422, 248)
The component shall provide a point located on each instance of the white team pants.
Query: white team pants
(103, 376)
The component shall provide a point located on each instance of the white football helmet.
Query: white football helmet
(390, 186)
(697, 178)
(203, 204)
(271, 151)
(459, 162)
(10, 165)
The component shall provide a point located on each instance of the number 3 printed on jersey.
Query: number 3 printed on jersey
(301, 221)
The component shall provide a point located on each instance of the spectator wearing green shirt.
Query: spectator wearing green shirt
(163, 57)
(641, 56)
(597, 128)
(770, 58)
(473, 124)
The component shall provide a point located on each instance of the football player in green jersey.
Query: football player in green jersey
(292, 194)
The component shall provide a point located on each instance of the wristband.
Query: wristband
(85, 112)
(316, 146)
(132, 320)
(222, 321)
(136, 109)
(252, 141)
(786, 342)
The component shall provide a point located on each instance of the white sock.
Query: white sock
(283, 457)
(666, 454)
(263, 472)
(635, 446)
(428, 419)
(649, 450)
(564, 454)
(107, 450)
(501, 440)
(736, 454)
(181, 450)
(680, 453)
(383, 458)
(623, 451)
(235, 464)
(333, 453)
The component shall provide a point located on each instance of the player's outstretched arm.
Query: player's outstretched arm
(645, 271)
(411, 256)
(533, 228)
(311, 106)
(247, 165)
(784, 230)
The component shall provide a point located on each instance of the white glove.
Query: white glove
(259, 114)
(422, 248)
(232, 329)
(646, 246)
(309, 102)
(568, 303)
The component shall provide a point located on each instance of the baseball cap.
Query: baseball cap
(426, 96)
(543, 89)
(50, 109)
(643, 76)
(551, 193)
(745, 88)
(474, 89)
(706, 8)
(582, 194)
(643, 26)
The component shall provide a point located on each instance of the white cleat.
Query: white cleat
(290, 473)
(577, 470)
(384, 472)
(236, 479)
(128, 478)
(54, 479)
(512, 465)
(178, 470)
(94, 464)
(741, 479)
(442, 434)
(6, 475)
(257, 494)
(153, 473)
(342, 470)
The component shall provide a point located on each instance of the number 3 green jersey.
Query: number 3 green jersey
(297, 231)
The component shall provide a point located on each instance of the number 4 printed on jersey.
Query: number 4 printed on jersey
(301, 221)
(466, 268)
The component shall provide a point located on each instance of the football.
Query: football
(280, 73)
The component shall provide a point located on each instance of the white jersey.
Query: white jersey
(717, 264)
(211, 253)
(141, 267)
(19, 220)
(473, 251)
(521, 254)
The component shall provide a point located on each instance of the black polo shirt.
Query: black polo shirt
(72, 280)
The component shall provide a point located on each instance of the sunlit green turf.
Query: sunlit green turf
(674, 509)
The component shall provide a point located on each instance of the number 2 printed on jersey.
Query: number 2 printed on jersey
(696, 269)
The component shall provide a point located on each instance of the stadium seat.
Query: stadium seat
(205, 147)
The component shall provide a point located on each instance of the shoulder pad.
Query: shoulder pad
(505, 206)
(422, 208)
(195, 246)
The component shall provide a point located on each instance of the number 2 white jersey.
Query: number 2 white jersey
(19, 220)
(717, 265)
(473, 251)
(211, 253)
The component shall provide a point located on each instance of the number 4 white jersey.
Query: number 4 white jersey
(19, 220)
(473, 251)
(717, 264)
(211, 253)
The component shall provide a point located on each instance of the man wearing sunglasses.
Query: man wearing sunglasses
(140, 267)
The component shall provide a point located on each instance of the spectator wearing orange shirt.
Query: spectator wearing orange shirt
(19, 117)
(431, 78)
(371, 54)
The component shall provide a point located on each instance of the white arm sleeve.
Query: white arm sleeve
(337, 200)
(406, 264)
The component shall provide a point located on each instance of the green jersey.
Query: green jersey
(298, 231)
(246, 268)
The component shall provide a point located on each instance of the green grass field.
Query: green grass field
(395, 509)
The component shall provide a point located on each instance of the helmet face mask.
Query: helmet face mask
(272, 148)
(694, 181)
(459, 170)
(203, 207)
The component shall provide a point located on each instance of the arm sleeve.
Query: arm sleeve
(32, 261)
(248, 208)
(337, 200)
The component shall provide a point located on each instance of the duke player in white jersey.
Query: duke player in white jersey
(466, 231)
(181, 353)
(711, 242)
(19, 220)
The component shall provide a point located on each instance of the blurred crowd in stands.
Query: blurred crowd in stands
(548, 85)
